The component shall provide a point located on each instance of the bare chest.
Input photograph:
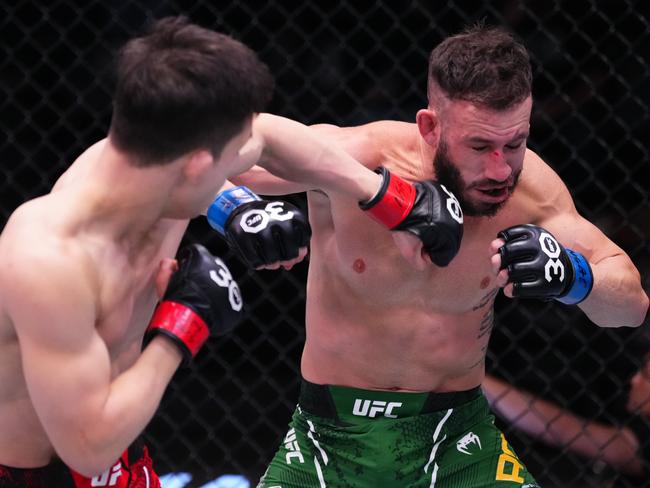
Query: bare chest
(127, 299)
(126, 304)
(362, 254)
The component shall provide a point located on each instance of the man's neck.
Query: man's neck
(120, 199)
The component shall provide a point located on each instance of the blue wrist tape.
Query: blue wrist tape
(227, 201)
(583, 279)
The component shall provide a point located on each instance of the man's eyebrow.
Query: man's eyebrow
(482, 140)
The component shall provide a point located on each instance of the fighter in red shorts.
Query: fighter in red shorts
(84, 266)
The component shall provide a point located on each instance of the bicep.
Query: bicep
(261, 181)
(65, 362)
(556, 212)
(352, 140)
(575, 232)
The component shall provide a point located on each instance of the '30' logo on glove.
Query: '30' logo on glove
(257, 219)
(222, 277)
(552, 249)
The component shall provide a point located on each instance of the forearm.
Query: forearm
(559, 427)
(536, 417)
(129, 404)
(617, 298)
(294, 152)
(264, 183)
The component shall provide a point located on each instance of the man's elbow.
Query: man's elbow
(89, 461)
(89, 465)
(642, 314)
(634, 314)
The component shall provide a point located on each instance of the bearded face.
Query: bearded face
(493, 194)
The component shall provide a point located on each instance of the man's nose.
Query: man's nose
(497, 167)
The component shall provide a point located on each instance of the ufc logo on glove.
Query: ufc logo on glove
(257, 219)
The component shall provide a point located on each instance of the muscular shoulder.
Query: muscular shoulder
(373, 143)
(541, 192)
(33, 258)
(80, 167)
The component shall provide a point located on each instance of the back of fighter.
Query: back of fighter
(39, 357)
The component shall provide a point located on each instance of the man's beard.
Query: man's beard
(447, 174)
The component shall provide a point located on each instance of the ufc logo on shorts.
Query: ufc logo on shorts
(453, 207)
(371, 408)
(291, 445)
(551, 248)
(256, 220)
(223, 278)
(108, 477)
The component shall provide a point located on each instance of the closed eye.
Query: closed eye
(514, 146)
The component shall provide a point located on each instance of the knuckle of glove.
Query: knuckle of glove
(536, 262)
(520, 231)
(442, 246)
(266, 232)
(432, 221)
(204, 284)
(516, 251)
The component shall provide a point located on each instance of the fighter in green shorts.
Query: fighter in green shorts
(348, 437)
(471, 212)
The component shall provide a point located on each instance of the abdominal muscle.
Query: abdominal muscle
(370, 344)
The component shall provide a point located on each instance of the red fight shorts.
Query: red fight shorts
(134, 469)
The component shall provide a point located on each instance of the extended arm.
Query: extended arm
(269, 234)
(558, 427)
(300, 154)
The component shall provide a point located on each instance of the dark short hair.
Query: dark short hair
(181, 87)
(483, 65)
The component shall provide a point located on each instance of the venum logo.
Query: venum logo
(372, 408)
(468, 440)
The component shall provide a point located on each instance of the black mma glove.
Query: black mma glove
(201, 297)
(425, 208)
(261, 231)
(539, 267)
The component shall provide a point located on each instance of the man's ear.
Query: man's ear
(197, 164)
(429, 126)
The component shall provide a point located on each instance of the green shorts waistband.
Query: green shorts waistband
(354, 404)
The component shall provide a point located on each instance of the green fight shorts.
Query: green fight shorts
(348, 437)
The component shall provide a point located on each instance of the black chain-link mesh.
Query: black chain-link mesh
(349, 63)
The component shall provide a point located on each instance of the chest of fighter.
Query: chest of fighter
(363, 254)
(124, 311)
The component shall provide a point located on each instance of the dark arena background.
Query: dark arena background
(348, 63)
